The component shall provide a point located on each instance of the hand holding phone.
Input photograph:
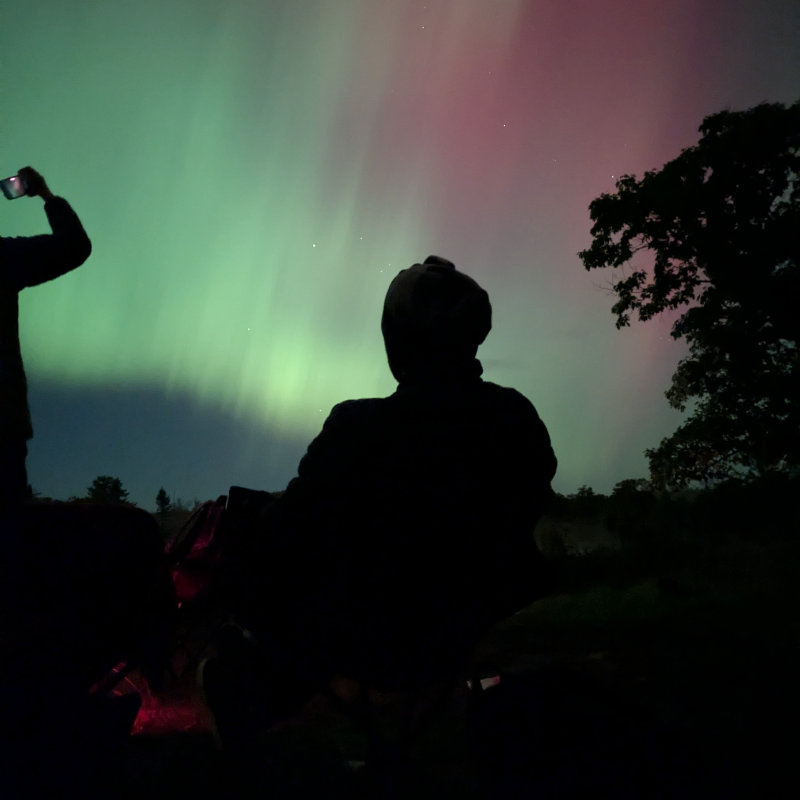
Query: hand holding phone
(13, 187)
(35, 184)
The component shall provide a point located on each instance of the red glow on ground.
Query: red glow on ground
(177, 709)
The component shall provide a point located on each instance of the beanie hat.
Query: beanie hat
(434, 317)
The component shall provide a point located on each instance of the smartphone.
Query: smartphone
(13, 187)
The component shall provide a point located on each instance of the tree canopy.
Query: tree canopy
(721, 227)
(105, 489)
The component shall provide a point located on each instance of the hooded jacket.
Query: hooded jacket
(408, 530)
(29, 261)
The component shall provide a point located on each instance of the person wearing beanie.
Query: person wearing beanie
(408, 531)
(434, 320)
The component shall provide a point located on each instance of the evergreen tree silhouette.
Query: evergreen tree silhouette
(108, 490)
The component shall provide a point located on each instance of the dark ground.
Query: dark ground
(667, 673)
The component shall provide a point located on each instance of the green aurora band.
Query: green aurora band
(253, 174)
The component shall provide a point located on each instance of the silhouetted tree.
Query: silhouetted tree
(631, 486)
(722, 224)
(631, 509)
(586, 503)
(163, 502)
(179, 504)
(105, 489)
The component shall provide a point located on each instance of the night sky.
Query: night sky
(252, 174)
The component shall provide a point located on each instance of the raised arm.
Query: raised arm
(31, 260)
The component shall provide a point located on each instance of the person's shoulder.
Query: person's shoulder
(512, 399)
(351, 412)
(515, 413)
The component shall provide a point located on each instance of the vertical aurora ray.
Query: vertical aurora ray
(254, 173)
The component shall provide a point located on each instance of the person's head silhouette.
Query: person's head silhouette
(434, 320)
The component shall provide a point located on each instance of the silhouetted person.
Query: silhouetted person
(28, 261)
(408, 531)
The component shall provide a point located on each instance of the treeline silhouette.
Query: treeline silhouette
(637, 513)
(641, 533)
(108, 490)
(634, 512)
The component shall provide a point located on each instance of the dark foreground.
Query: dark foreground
(670, 673)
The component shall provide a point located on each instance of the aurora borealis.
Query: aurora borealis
(253, 173)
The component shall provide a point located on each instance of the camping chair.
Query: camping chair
(409, 705)
(194, 558)
(200, 566)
